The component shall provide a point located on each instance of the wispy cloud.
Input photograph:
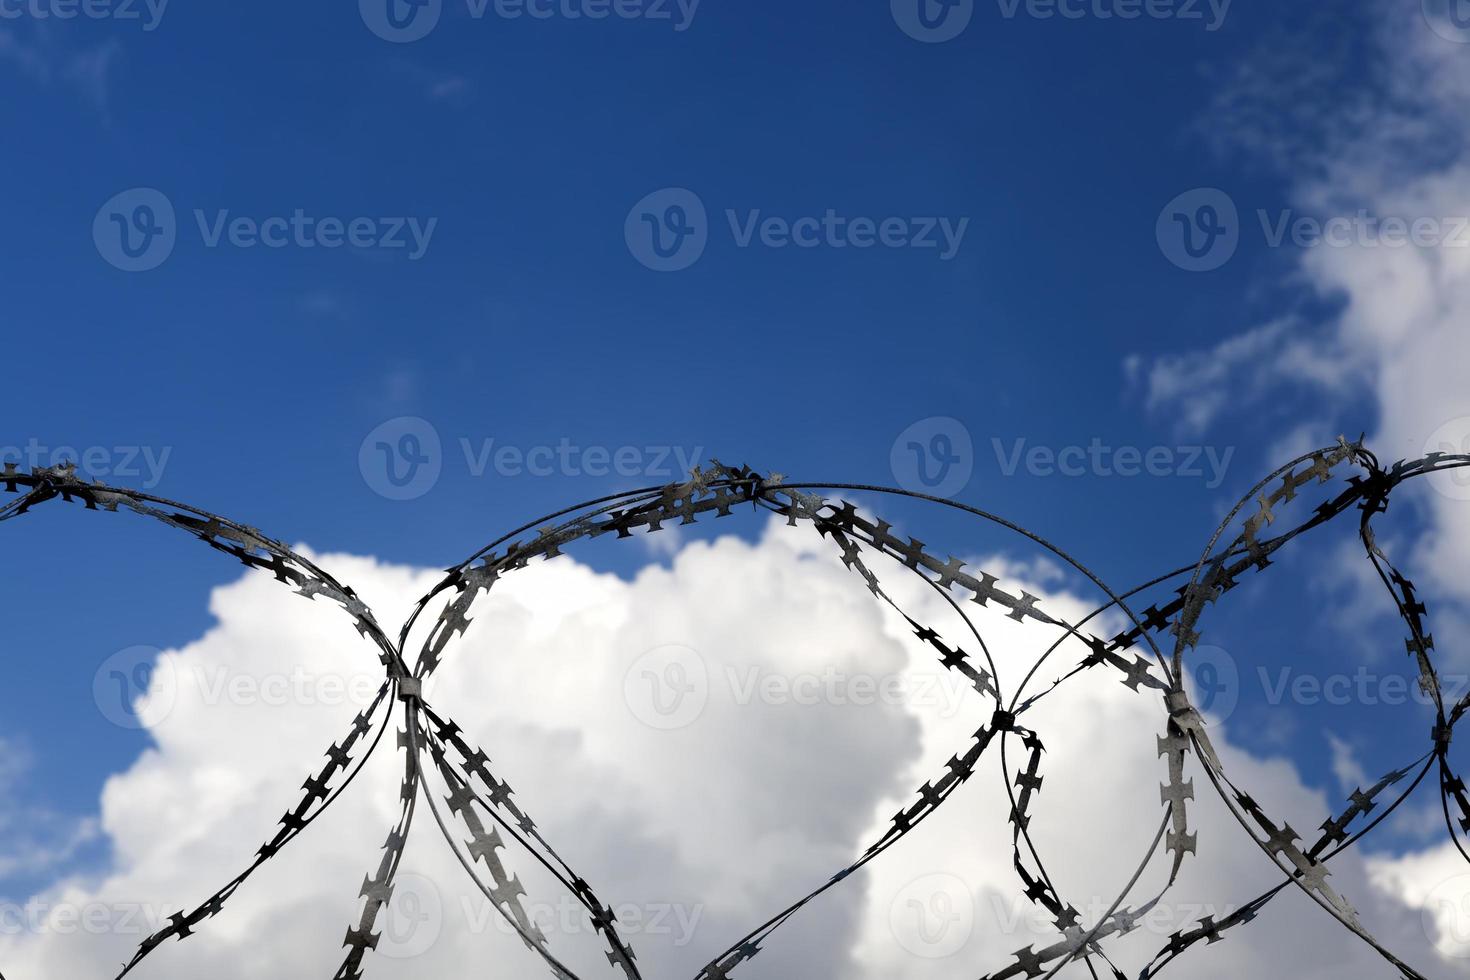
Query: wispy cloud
(47, 62)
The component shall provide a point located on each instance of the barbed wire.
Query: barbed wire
(479, 803)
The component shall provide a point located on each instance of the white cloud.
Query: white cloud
(1438, 882)
(1345, 765)
(1390, 138)
(1203, 385)
(694, 834)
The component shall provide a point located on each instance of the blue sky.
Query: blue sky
(254, 374)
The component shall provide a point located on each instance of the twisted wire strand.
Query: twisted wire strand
(434, 745)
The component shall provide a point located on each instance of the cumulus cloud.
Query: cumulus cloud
(703, 754)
